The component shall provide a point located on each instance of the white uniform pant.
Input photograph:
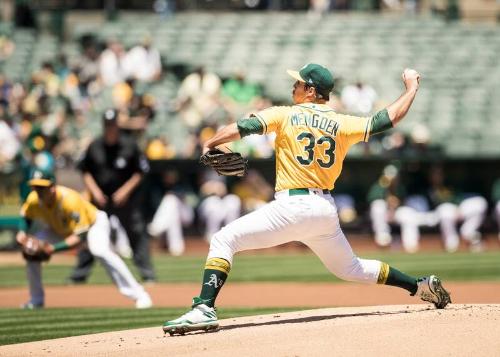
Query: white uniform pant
(410, 221)
(169, 218)
(471, 211)
(379, 216)
(122, 243)
(311, 219)
(216, 211)
(98, 240)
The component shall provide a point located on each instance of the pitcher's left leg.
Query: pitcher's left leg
(336, 254)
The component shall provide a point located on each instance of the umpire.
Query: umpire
(113, 167)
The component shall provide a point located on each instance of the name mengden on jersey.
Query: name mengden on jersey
(315, 121)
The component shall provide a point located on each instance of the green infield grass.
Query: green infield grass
(17, 326)
(274, 268)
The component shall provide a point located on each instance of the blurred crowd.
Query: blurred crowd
(58, 109)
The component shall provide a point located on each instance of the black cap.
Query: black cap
(110, 117)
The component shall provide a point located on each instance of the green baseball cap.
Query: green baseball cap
(42, 178)
(316, 76)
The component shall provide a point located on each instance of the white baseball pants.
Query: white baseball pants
(169, 218)
(379, 216)
(122, 243)
(311, 219)
(98, 240)
(471, 211)
(410, 221)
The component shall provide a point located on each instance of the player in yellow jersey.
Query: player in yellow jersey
(61, 218)
(311, 144)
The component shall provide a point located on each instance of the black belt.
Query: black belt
(304, 191)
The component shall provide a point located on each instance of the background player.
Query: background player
(385, 196)
(218, 206)
(453, 208)
(311, 144)
(449, 209)
(64, 219)
(173, 212)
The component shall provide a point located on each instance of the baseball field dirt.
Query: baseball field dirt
(358, 320)
(393, 330)
(244, 295)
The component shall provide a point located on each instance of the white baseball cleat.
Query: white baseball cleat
(201, 317)
(144, 302)
(431, 290)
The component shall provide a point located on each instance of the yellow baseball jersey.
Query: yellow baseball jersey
(311, 143)
(70, 213)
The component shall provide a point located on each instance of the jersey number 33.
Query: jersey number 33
(326, 143)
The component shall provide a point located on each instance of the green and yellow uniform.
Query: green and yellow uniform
(312, 141)
(70, 213)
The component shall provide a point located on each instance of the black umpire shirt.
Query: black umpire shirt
(112, 166)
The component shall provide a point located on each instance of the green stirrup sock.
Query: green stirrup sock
(216, 272)
(391, 276)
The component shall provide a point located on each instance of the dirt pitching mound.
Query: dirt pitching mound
(396, 330)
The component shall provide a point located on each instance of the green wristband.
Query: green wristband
(60, 246)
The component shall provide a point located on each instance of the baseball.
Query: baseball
(410, 73)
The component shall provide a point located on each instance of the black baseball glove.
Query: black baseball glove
(225, 163)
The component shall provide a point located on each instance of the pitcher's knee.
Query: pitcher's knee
(360, 270)
(223, 245)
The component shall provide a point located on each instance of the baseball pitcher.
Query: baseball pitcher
(311, 144)
(64, 219)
